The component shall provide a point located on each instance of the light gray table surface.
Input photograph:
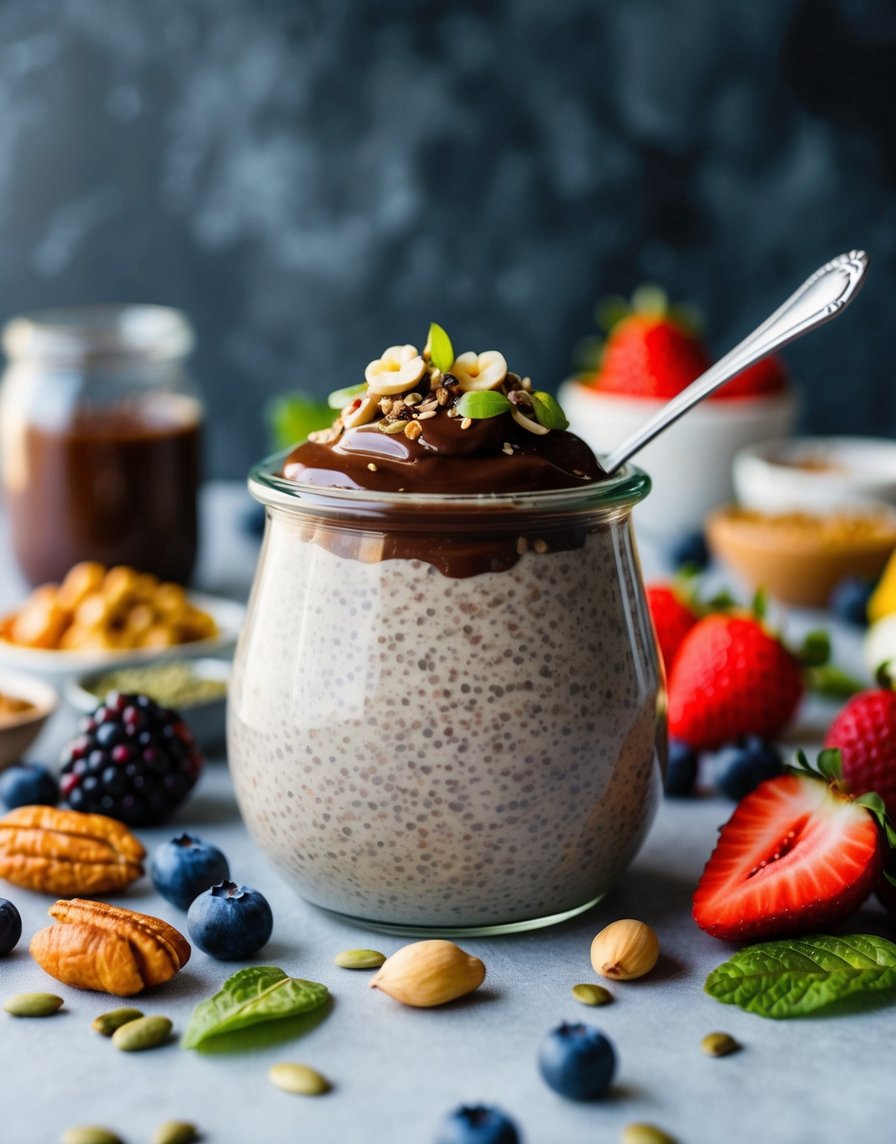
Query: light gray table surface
(396, 1070)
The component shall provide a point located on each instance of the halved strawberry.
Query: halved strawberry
(797, 854)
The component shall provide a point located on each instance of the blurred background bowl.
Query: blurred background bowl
(816, 474)
(19, 731)
(205, 717)
(689, 464)
(799, 558)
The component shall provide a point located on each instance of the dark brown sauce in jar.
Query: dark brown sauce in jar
(112, 486)
(100, 445)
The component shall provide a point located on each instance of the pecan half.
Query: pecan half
(98, 946)
(67, 852)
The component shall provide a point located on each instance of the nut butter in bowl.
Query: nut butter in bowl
(446, 707)
(100, 432)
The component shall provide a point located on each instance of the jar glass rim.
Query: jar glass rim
(76, 333)
(616, 494)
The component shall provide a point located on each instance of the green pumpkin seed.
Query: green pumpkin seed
(142, 1033)
(589, 994)
(639, 1133)
(107, 1023)
(719, 1044)
(33, 1004)
(175, 1132)
(359, 959)
(89, 1134)
(301, 1079)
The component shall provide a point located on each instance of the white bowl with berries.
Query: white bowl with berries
(651, 353)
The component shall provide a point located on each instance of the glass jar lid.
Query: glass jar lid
(81, 333)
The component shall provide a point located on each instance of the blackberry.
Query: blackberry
(133, 760)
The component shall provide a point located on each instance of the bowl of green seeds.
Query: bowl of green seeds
(196, 688)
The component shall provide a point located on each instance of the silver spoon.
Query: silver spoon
(822, 297)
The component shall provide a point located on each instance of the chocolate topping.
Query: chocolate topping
(447, 459)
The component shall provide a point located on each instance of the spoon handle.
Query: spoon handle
(821, 297)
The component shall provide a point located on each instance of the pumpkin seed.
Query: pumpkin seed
(142, 1033)
(589, 994)
(301, 1079)
(719, 1044)
(175, 1132)
(33, 1004)
(359, 959)
(639, 1133)
(89, 1134)
(107, 1023)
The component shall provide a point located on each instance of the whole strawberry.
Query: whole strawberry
(672, 619)
(650, 355)
(865, 732)
(762, 379)
(731, 677)
(798, 854)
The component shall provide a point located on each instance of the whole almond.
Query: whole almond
(428, 973)
(625, 950)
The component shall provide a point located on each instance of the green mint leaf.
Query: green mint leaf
(488, 403)
(441, 352)
(339, 398)
(883, 677)
(548, 412)
(796, 977)
(294, 416)
(251, 996)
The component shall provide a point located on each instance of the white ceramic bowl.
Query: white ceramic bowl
(17, 735)
(816, 474)
(206, 719)
(690, 463)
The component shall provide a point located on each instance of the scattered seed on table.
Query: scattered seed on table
(359, 959)
(588, 994)
(719, 1044)
(106, 1023)
(33, 1004)
(300, 1079)
(640, 1133)
(144, 1033)
(175, 1132)
(89, 1134)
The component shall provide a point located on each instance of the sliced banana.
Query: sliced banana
(397, 370)
(365, 411)
(477, 372)
(527, 422)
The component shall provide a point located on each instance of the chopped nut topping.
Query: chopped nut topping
(466, 423)
(522, 546)
(540, 546)
(426, 414)
(442, 395)
(507, 448)
(412, 430)
(393, 427)
(371, 466)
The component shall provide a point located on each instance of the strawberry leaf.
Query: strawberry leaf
(832, 682)
(816, 649)
(759, 607)
(830, 764)
(875, 805)
(798, 976)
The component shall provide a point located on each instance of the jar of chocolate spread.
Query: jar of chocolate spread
(100, 440)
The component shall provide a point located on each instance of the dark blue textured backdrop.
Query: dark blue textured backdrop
(313, 180)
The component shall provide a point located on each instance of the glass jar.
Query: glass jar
(446, 712)
(100, 435)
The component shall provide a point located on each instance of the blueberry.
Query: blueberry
(182, 868)
(10, 926)
(849, 600)
(688, 550)
(230, 922)
(477, 1124)
(681, 769)
(577, 1061)
(743, 766)
(28, 784)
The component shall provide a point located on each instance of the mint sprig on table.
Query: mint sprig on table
(798, 976)
(251, 996)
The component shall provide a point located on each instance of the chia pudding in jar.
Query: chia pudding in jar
(446, 710)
